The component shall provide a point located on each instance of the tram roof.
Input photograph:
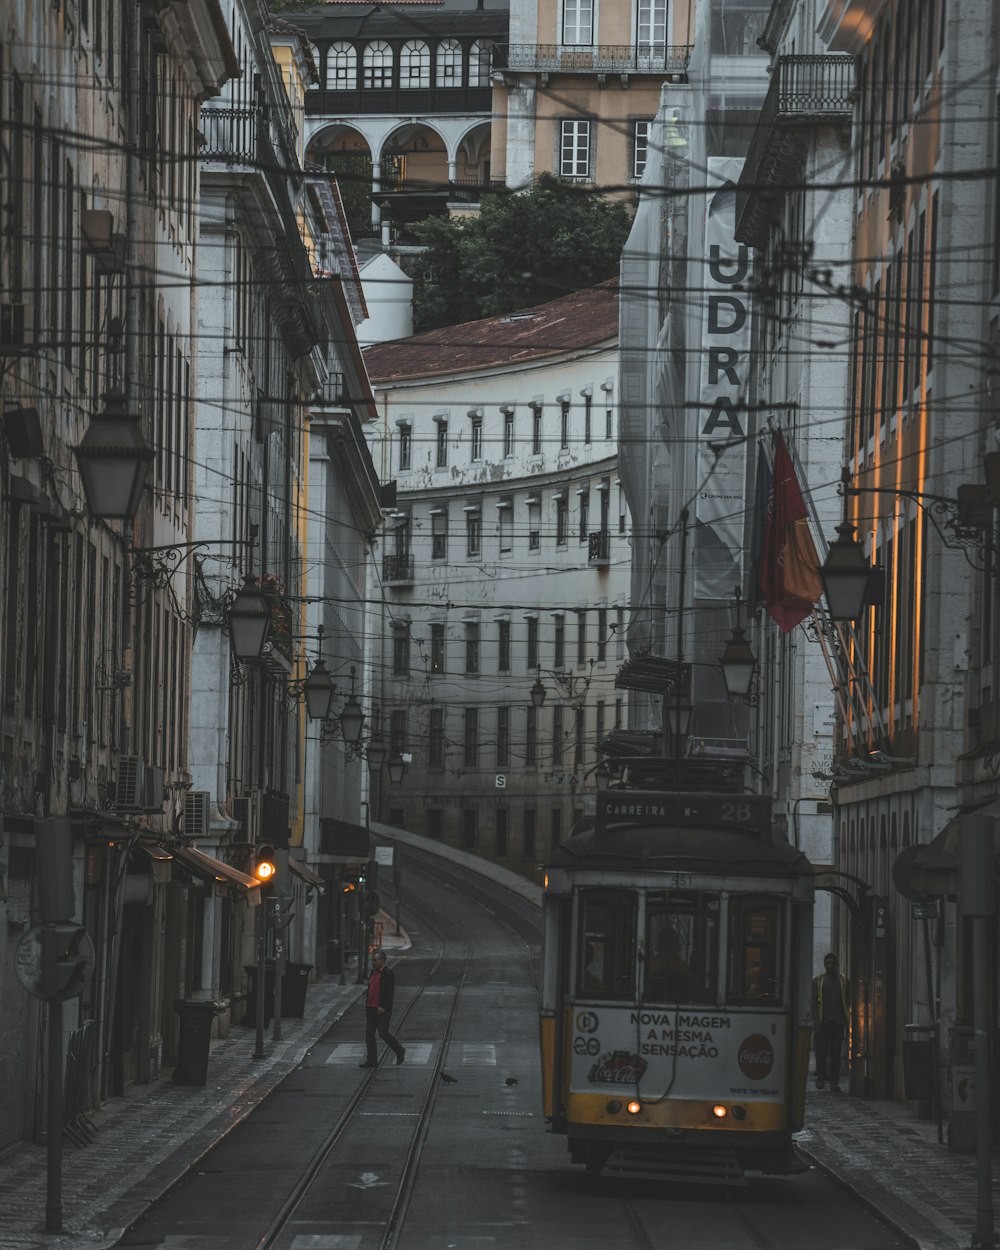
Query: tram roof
(655, 848)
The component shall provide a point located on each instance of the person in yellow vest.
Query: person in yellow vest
(831, 1014)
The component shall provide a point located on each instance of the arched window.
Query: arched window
(415, 64)
(341, 66)
(377, 64)
(479, 63)
(449, 64)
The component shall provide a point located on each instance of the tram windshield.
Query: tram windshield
(681, 948)
(606, 959)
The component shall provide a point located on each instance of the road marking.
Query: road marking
(326, 1241)
(367, 1180)
(353, 1052)
(476, 1054)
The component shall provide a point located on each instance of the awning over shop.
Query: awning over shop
(339, 837)
(652, 673)
(159, 858)
(211, 869)
(304, 872)
(935, 869)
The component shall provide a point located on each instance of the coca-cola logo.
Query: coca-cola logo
(756, 1057)
(617, 1068)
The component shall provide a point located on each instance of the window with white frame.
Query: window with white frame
(640, 148)
(574, 148)
(435, 747)
(503, 737)
(439, 533)
(472, 647)
(405, 445)
(415, 64)
(341, 66)
(651, 23)
(588, 416)
(505, 510)
(531, 650)
(563, 422)
(531, 736)
(578, 21)
(559, 642)
(377, 65)
(584, 515)
(609, 420)
(471, 758)
(534, 525)
(562, 520)
(508, 432)
(479, 63)
(449, 64)
(536, 429)
(437, 648)
(477, 436)
(442, 443)
(473, 534)
(503, 646)
(401, 650)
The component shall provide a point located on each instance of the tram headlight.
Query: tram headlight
(634, 1107)
(719, 1111)
(614, 1106)
(739, 1113)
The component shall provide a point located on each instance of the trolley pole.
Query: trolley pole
(977, 901)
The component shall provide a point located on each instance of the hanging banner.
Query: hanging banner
(724, 346)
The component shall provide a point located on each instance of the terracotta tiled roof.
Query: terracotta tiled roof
(583, 319)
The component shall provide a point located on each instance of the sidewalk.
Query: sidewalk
(897, 1167)
(152, 1136)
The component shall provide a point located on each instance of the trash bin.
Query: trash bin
(196, 1018)
(333, 956)
(293, 989)
(918, 1062)
(250, 1019)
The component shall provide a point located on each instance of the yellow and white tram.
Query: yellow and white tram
(676, 985)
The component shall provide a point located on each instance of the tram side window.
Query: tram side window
(682, 948)
(606, 952)
(755, 950)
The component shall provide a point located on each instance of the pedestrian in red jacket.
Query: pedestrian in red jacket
(378, 1009)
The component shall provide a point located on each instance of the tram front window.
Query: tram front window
(606, 954)
(682, 948)
(755, 950)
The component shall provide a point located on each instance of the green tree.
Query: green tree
(521, 250)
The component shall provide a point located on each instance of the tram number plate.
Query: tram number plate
(741, 811)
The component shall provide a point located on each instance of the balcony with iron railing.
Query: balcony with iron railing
(805, 91)
(599, 549)
(556, 58)
(249, 134)
(397, 570)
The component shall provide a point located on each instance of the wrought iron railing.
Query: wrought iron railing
(803, 89)
(599, 547)
(231, 135)
(637, 58)
(397, 568)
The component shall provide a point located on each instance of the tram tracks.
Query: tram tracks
(406, 1179)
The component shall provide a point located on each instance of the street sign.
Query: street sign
(383, 854)
(29, 965)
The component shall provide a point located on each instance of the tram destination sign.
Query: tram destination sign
(738, 812)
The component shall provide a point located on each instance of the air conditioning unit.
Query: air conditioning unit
(17, 327)
(130, 783)
(196, 805)
(246, 809)
(152, 789)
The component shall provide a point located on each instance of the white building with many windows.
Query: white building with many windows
(505, 562)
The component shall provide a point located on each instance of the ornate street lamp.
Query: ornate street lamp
(845, 575)
(318, 688)
(249, 621)
(679, 709)
(738, 664)
(113, 459)
(537, 693)
(397, 767)
(352, 718)
(376, 753)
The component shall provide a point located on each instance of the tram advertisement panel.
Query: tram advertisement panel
(695, 1052)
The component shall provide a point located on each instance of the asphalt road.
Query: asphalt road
(450, 1150)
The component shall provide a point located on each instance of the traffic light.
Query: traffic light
(265, 868)
(64, 963)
